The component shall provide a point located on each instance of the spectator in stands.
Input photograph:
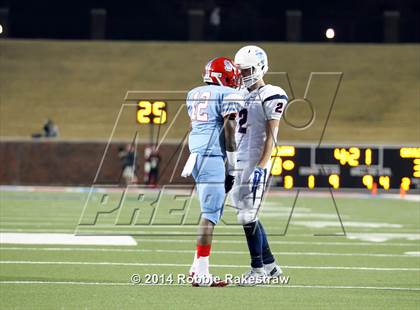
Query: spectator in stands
(128, 162)
(214, 24)
(50, 130)
(151, 166)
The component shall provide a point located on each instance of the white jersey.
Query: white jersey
(261, 105)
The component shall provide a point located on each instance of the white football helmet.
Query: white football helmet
(254, 58)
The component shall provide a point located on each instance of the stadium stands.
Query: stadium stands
(81, 85)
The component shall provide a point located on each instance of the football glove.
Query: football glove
(258, 174)
(229, 180)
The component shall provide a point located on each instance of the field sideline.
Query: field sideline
(376, 265)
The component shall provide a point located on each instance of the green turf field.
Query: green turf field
(326, 272)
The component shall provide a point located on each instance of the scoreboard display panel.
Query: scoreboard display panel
(332, 166)
(151, 112)
(346, 167)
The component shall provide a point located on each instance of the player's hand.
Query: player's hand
(257, 175)
(229, 180)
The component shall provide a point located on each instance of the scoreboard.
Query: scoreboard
(151, 112)
(346, 167)
(333, 166)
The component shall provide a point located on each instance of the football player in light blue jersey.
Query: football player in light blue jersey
(212, 109)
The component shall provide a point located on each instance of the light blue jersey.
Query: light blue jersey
(207, 106)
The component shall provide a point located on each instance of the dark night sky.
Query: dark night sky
(354, 21)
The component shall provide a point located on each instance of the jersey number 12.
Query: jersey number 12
(199, 107)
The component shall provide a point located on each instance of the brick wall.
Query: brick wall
(76, 163)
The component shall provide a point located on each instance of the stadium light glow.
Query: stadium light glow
(1, 29)
(330, 33)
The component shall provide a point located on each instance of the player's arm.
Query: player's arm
(231, 105)
(274, 107)
(230, 144)
(271, 130)
(230, 126)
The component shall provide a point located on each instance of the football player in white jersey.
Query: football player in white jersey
(257, 126)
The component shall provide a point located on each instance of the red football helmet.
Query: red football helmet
(222, 71)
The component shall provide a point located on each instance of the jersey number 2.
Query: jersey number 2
(243, 118)
(279, 107)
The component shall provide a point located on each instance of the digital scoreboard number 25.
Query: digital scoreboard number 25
(151, 112)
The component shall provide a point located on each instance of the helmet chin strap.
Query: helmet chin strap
(219, 81)
(216, 76)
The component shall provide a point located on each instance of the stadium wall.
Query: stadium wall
(76, 163)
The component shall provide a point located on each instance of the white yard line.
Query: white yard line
(67, 239)
(192, 240)
(31, 282)
(39, 224)
(179, 233)
(39, 218)
(189, 265)
(46, 230)
(305, 193)
(349, 243)
(413, 253)
(69, 226)
(71, 249)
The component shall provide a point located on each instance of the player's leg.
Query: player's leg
(200, 263)
(210, 188)
(267, 256)
(204, 240)
(254, 240)
(271, 267)
(247, 217)
(254, 237)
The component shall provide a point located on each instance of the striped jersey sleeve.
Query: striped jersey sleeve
(275, 103)
(231, 104)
